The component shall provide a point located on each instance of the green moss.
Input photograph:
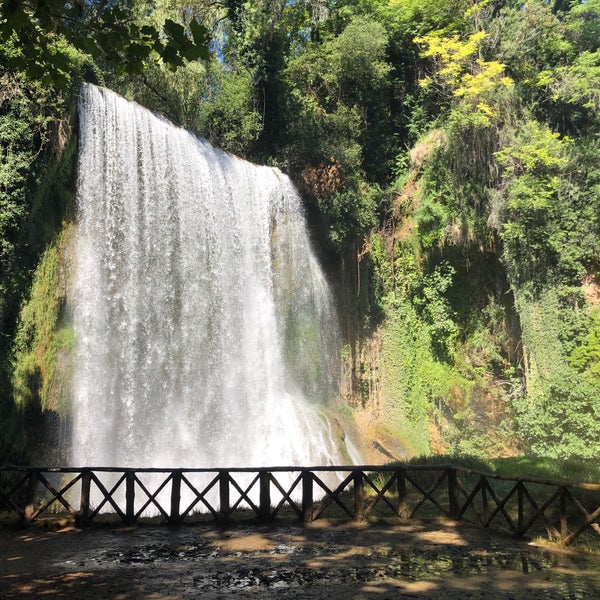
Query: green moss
(42, 335)
(417, 387)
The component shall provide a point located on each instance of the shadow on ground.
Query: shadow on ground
(398, 560)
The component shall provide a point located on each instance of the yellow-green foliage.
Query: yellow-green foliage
(475, 80)
(41, 334)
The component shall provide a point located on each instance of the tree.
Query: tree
(39, 29)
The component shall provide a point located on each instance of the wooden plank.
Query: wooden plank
(379, 494)
(359, 495)
(592, 487)
(564, 526)
(29, 510)
(589, 521)
(56, 496)
(329, 468)
(224, 510)
(129, 497)
(84, 498)
(539, 512)
(200, 496)
(244, 494)
(453, 493)
(264, 504)
(108, 496)
(485, 507)
(151, 497)
(520, 508)
(7, 496)
(403, 508)
(428, 495)
(307, 496)
(500, 504)
(287, 496)
(470, 498)
(174, 514)
(363, 505)
(333, 496)
(583, 510)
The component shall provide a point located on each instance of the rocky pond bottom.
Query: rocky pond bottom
(414, 560)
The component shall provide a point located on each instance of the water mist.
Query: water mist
(206, 333)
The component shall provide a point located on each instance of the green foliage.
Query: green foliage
(529, 37)
(563, 421)
(36, 173)
(351, 215)
(576, 84)
(229, 117)
(559, 414)
(332, 115)
(436, 311)
(433, 218)
(534, 212)
(41, 336)
(332, 87)
(583, 25)
(30, 117)
(419, 388)
(586, 357)
(447, 151)
(45, 34)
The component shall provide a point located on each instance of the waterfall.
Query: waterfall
(206, 333)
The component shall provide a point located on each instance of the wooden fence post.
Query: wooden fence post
(223, 495)
(307, 496)
(29, 508)
(359, 495)
(130, 497)
(84, 499)
(174, 516)
(403, 511)
(564, 528)
(453, 493)
(264, 506)
(485, 508)
(520, 508)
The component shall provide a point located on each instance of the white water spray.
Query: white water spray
(206, 334)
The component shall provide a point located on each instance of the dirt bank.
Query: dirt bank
(414, 560)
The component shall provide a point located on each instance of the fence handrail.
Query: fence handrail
(386, 468)
(310, 492)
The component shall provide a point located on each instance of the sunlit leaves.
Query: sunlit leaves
(451, 52)
(462, 74)
(539, 151)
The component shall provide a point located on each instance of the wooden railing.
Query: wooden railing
(562, 511)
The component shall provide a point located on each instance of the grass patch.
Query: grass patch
(570, 470)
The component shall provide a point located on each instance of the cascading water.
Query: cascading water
(206, 334)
